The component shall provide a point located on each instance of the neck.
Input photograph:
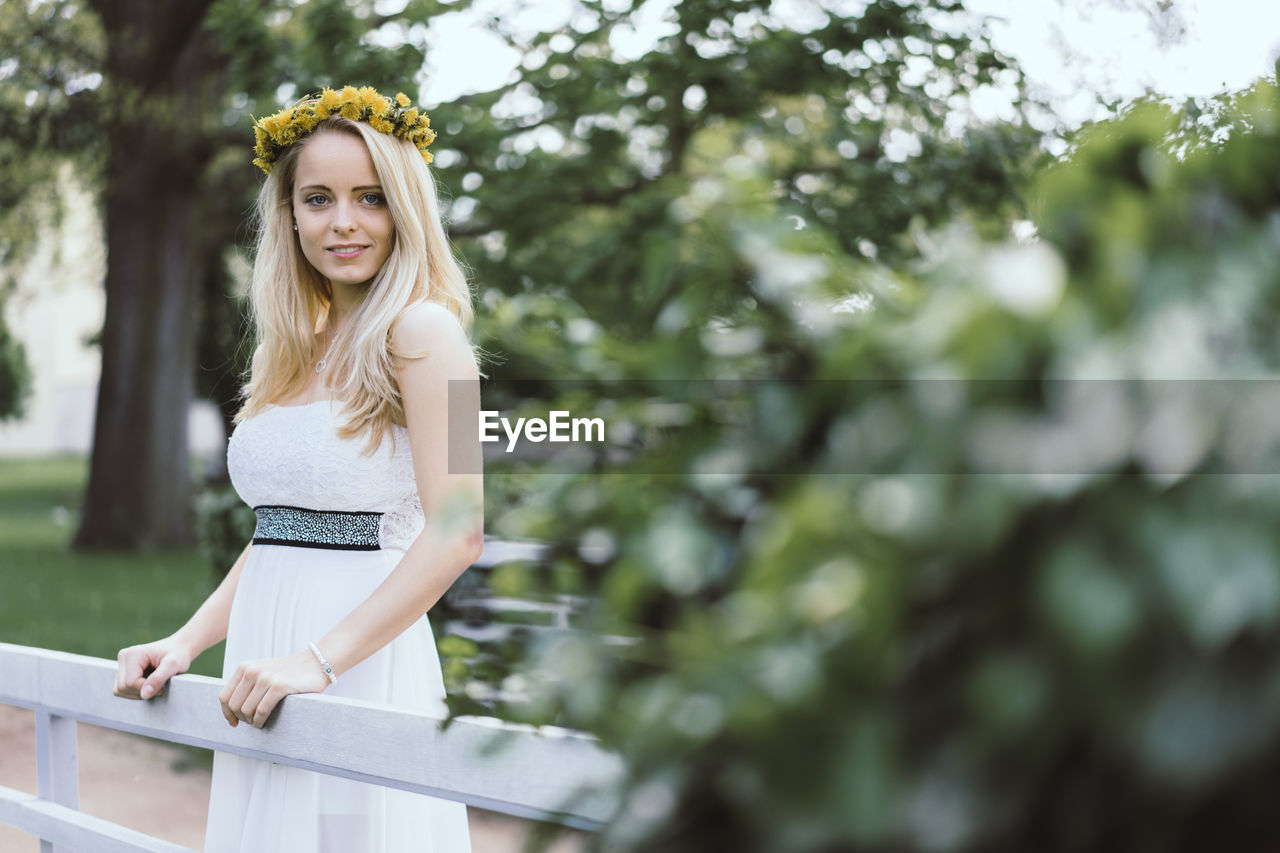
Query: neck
(340, 307)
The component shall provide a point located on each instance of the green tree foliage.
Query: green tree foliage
(15, 375)
(1078, 654)
(27, 164)
(564, 178)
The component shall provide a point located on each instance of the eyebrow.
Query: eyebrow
(326, 189)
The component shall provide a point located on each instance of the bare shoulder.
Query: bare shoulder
(424, 325)
(430, 330)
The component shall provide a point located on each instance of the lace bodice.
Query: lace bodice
(292, 456)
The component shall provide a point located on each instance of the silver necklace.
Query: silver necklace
(327, 346)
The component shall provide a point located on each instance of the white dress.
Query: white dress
(289, 596)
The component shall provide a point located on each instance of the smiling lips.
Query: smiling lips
(350, 250)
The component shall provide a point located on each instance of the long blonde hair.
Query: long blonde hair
(288, 297)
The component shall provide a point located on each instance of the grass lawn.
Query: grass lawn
(88, 603)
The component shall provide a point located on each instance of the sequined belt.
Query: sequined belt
(315, 528)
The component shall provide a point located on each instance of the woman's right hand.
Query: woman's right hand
(142, 671)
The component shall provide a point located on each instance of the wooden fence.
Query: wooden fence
(545, 774)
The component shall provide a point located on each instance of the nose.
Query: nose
(343, 217)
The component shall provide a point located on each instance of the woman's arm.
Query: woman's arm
(174, 653)
(450, 542)
(453, 503)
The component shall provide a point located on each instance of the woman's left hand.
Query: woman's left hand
(257, 686)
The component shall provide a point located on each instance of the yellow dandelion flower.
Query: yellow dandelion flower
(369, 97)
(410, 117)
(428, 157)
(330, 101)
(402, 99)
(351, 110)
(381, 124)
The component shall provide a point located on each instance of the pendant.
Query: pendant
(319, 365)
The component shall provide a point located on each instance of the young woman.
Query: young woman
(341, 448)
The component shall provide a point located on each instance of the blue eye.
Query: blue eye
(316, 199)
(373, 198)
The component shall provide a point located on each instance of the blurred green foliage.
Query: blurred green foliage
(1083, 660)
(224, 526)
(582, 193)
(15, 373)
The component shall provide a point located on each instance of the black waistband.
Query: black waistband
(316, 528)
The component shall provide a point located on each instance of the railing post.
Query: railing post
(57, 764)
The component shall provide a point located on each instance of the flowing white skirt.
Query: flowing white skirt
(286, 598)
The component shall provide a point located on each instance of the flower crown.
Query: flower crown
(275, 133)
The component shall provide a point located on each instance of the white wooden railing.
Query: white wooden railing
(545, 774)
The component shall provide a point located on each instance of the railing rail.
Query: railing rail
(545, 774)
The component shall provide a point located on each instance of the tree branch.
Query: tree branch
(586, 196)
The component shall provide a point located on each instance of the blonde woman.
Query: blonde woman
(360, 312)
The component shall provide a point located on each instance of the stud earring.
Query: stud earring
(295, 226)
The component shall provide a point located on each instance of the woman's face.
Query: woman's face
(344, 224)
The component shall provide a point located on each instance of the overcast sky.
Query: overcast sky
(1076, 48)
(1071, 48)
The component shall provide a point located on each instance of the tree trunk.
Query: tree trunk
(139, 480)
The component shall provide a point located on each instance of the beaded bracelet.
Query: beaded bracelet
(324, 664)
